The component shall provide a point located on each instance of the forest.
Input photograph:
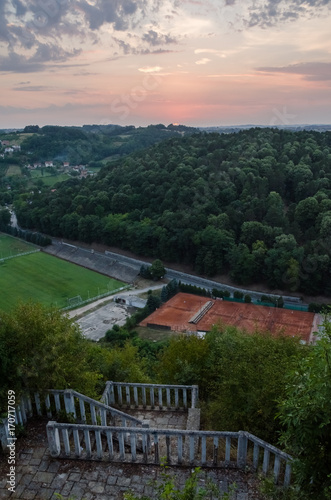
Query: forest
(92, 143)
(254, 204)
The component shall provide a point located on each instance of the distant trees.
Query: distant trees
(155, 271)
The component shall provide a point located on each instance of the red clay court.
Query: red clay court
(187, 313)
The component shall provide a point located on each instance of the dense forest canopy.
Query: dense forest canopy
(92, 143)
(255, 204)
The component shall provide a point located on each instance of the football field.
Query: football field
(40, 277)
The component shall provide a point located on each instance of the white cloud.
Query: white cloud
(150, 69)
(205, 60)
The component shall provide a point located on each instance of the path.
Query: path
(40, 477)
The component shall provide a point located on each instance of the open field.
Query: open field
(53, 179)
(39, 277)
(13, 170)
(10, 246)
(49, 179)
(153, 334)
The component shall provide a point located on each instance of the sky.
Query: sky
(193, 62)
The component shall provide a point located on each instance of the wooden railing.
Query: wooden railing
(66, 404)
(153, 396)
(177, 447)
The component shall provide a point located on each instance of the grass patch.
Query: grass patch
(47, 178)
(154, 334)
(51, 180)
(10, 246)
(40, 277)
(13, 170)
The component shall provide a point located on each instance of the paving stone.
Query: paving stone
(89, 496)
(19, 489)
(67, 488)
(59, 481)
(45, 494)
(28, 495)
(43, 466)
(96, 488)
(91, 475)
(44, 477)
(35, 461)
(27, 450)
(77, 492)
(38, 453)
(26, 479)
(27, 469)
(53, 467)
(123, 481)
(74, 476)
(112, 480)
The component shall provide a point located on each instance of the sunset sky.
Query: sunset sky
(200, 63)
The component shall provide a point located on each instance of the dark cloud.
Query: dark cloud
(272, 12)
(153, 38)
(32, 88)
(16, 63)
(115, 12)
(311, 71)
(45, 53)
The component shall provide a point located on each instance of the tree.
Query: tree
(157, 269)
(4, 218)
(238, 395)
(40, 349)
(305, 411)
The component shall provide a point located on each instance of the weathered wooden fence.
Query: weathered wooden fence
(153, 396)
(177, 447)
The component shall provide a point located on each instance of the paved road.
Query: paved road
(197, 280)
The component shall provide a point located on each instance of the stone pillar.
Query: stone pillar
(53, 439)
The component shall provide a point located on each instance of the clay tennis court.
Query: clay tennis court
(186, 313)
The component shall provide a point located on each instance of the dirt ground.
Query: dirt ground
(95, 324)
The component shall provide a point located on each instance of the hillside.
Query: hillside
(255, 204)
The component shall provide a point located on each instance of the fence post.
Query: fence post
(106, 399)
(53, 439)
(242, 449)
(195, 396)
(4, 435)
(69, 402)
(146, 441)
(287, 478)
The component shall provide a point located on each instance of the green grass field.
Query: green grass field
(40, 277)
(10, 246)
(13, 170)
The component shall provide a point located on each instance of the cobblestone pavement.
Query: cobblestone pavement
(40, 477)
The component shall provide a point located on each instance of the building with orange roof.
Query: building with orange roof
(191, 313)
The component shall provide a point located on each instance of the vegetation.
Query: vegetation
(253, 204)
(166, 488)
(10, 246)
(40, 277)
(305, 413)
(40, 349)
